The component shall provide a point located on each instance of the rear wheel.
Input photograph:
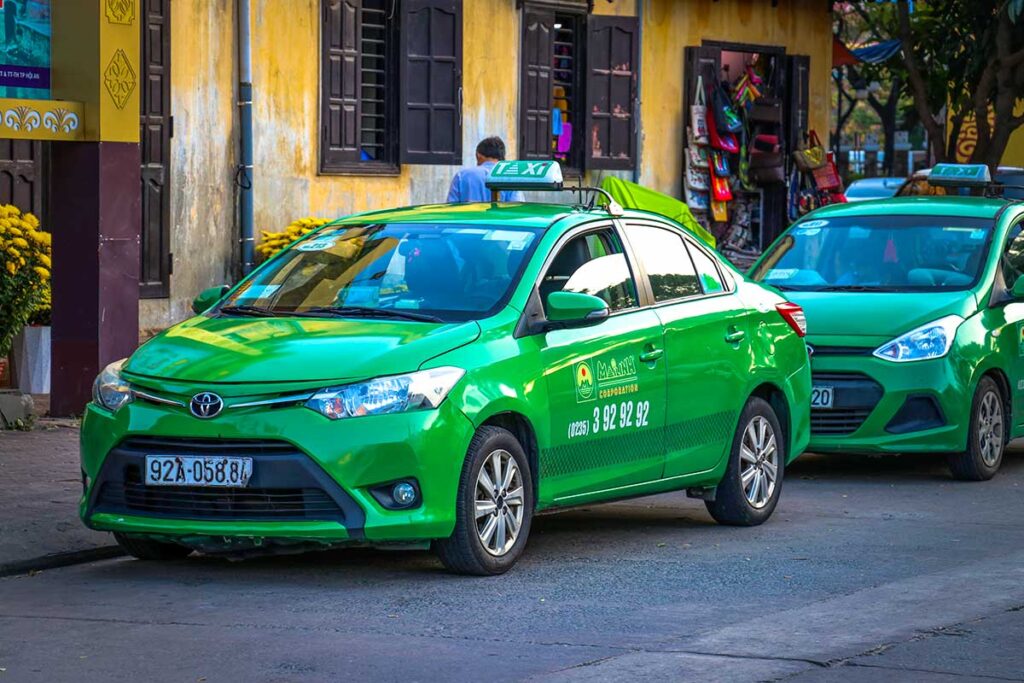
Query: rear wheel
(494, 507)
(986, 437)
(749, 491)
(146, 549)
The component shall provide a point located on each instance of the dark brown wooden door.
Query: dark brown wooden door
(535, 85)
(155, 138)
(21, 175)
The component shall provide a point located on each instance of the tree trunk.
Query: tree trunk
(918, 89)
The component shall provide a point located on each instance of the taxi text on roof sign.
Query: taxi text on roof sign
(525, 175)
(960, 175)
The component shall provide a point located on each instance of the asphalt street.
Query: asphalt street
(871, 569)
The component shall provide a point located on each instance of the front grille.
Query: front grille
(286, 485)
(837, 422)
(219, 503)
(856, 395)
(820, 350)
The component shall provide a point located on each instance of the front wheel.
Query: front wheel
(749, 491)
(494, 507)
(985, 438)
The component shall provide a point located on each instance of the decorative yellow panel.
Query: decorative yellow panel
(41, 119)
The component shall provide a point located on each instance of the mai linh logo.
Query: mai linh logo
(585, 389)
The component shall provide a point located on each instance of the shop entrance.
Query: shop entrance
(745, 172)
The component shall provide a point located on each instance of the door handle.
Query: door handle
(735, 336)
(651, 355)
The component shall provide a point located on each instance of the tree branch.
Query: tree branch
(916, 81)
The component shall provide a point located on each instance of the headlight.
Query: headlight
(396, 394)
(928, 341)
(109, 390)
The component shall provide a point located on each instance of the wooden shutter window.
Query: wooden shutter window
(155, 141)
(612, 61)
(432, 82)
(340, 110)
(798, 98)
(535, 85)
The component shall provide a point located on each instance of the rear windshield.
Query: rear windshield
(878, 253)
(1012, 180)
(411, 271)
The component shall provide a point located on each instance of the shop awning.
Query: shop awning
(876, 53)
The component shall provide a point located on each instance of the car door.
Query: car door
(1008, 318)
(605, 382)
(706, 345)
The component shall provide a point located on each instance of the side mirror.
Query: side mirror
(572, 309)
(1018, 288)
(208, 297)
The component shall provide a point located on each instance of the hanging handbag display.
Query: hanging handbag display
(696, 178)
(811, 156)
(698, 115)
(827, 177)
(767, 162)
(726, 142)
(720, 163)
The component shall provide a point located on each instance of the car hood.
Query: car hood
(877, 315)
(235, 350)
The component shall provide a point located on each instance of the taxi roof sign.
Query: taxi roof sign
(960, 175)
(525, 175)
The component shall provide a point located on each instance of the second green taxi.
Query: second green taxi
(439, 374)
(915, 310)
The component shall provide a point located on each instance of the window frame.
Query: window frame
(653, 301)
(582, 231)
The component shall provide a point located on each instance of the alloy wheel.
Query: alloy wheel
(759, 467)
(499, 502)
(990, 428)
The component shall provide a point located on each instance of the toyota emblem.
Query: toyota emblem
(206, 405)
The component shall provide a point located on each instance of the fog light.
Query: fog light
(404, 493)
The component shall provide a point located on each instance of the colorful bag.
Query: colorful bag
(720, 163)
(726, 142)
(827, 177)
(698, 156)
(766, 110)
(697, 200)
(698, 114)
(767, 162)
(696, 178)
(812, 156)
(725, 114)
(720, 190)
(719, 211)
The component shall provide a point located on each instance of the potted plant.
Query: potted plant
(24, 285)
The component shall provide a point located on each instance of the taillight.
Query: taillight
(794, 315)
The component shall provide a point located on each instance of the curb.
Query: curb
(58, 560)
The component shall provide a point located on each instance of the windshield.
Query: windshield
(881, 253)
(403, 271)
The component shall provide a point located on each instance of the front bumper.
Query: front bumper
(886, 407)
(312, 477)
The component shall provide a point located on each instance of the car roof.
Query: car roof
(935, 205)
(508, 214)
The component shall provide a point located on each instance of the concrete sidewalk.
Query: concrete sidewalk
(40, 484)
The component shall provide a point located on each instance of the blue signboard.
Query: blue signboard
(25, 48)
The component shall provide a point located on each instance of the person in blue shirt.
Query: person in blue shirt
(469, 184)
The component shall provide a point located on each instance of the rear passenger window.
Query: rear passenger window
(664, 257)
(1012, 262)
(710, 276)
(592, 264)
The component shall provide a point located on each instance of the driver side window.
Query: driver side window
(1012, 261)
(594, 264)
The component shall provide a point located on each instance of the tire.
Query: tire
(752, 451)
(146, 549)
(986, 437)
(465, 551)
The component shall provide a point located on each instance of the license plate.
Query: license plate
(197, 470)
(821, 397)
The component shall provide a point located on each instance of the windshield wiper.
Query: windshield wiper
(246, 310)
(855, 288)
(366, 312)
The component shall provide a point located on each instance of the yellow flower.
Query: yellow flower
(31, 220)
(20, 242)
(42, 272)
(13, 252)
(11, 268)
(45, 260)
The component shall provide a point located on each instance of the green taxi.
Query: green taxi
(438, 375)
(915, 313)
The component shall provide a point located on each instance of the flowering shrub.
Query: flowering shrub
(273, 242)
(24, 273)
